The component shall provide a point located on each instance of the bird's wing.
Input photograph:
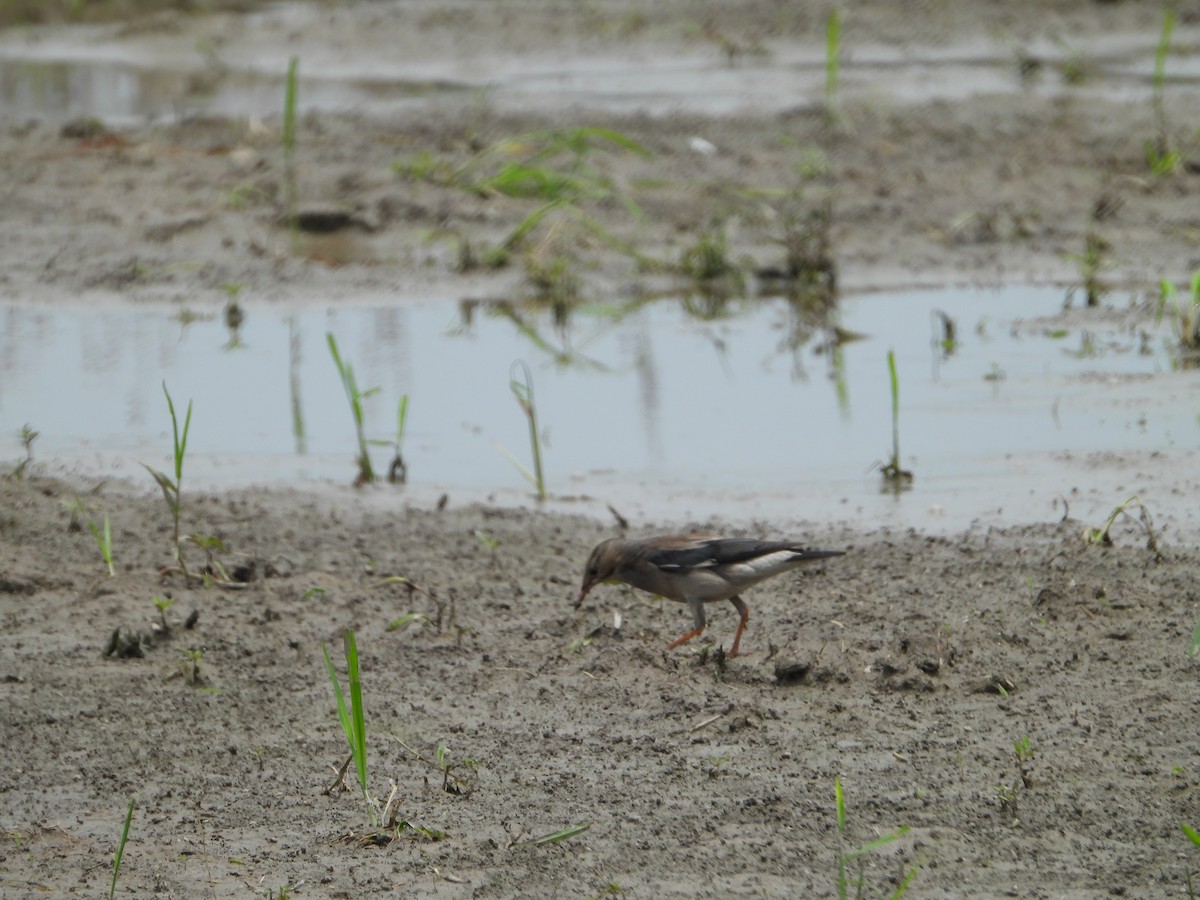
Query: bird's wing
(707, 554)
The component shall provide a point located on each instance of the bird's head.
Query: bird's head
(601, 566)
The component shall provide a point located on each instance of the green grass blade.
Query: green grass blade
(907, 880)
(355, 397)
(528, 224)
(401, 419)
(343, 712)
(833, 43)
(289, 107)
(517, 464)
(877, 843)
(180, 445)
(358, 717)
(120, 854)
(1166, 291)
(106, 547)
(895, 380)
(1191, 833)
(333, 350)
(840, 799)
(170, 492)
(181, 449)
(523, 391)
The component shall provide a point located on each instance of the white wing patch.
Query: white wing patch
(763, 566)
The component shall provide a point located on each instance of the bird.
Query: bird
(695, 569)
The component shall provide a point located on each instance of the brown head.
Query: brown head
(601, 566)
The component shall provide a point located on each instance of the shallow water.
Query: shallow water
(650, 406)
(95, 71)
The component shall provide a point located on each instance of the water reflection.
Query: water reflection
(637, 392)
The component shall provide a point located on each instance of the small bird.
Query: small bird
(695, 569)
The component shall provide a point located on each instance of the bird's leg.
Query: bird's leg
(744, 612)
(697, 619)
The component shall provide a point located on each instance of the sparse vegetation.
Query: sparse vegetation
(558, 168)
(352, 717)
(707, 263)
(893, 473)
(833, 61)
(522, 390)
(28, 436)
(945, 338)
(119, 855)
(1193, 836)
(1103, 534)
(1161, 155)
(190, 666)
(288, 140)
(809, 265)
(1091, 262)
(1009, 795)
(845, 857)
(1185, 313)
(355, 397)
(398, 469)
(163, 605)
(172, 489)
(102, 533)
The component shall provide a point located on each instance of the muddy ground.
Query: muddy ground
(1022, 702)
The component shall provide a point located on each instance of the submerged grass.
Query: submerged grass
(893, 473)
(1091, 262)
(522, 390)
(1186, 312)
(398, 470)
(355, 397)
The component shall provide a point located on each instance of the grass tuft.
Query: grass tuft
(1186, 313)
(28, 436)
(173, 488)
(1103, 534)
(351, 716)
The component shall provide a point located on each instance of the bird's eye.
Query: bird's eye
(593, 572)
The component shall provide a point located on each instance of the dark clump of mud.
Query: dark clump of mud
(1021, 701)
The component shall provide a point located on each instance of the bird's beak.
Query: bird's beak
(583, 592)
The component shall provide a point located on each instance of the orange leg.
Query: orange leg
(744, 612)
(685, 637)
(697, 607)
